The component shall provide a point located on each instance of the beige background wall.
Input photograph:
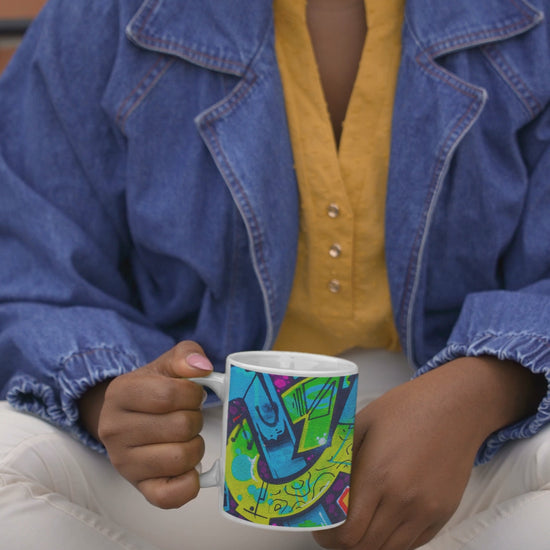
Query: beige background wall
(15, 9)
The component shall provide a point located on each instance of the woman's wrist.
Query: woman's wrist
(90, 405)
(502, 391)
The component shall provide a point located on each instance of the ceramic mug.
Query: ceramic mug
(288, 425)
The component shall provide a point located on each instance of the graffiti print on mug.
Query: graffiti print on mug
(289, 447)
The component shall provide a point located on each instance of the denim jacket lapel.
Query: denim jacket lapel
(429, 97)
(246, 135)
(244, 132)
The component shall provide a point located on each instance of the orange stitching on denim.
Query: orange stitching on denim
(126, 100)
(123, 113)
(172, 47)
(473, 38)
(513, 79)
(146, 19)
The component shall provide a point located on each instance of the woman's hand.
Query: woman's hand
(149, 421)
(415, 447)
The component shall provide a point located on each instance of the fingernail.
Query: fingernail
(199, 362)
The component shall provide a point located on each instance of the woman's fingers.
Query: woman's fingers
(142, 391)
(162, 460)
(171, 492)
(150, 422)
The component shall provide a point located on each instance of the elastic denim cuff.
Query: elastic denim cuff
(79, 372)
(530, 351)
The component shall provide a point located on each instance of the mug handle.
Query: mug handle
(216, 382)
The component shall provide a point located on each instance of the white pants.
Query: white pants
(55, 493)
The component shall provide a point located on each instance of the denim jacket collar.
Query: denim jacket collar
(443, 27)
(218, 35)
(225, 36)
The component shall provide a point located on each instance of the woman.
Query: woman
(174, 188)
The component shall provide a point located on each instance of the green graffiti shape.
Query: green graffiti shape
(312, 401)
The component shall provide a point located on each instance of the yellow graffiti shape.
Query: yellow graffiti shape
(261, 501)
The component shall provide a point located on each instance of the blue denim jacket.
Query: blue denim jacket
(147, 191)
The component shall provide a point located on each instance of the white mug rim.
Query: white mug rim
(328, 365)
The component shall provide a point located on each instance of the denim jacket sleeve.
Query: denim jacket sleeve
(503, 308)
(68, 316)
(520, 338)
(514, 323)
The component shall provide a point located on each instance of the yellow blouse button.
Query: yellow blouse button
(335, 251)
(333, 210)
(334, 286)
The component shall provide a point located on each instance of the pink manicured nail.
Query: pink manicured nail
(199, 362)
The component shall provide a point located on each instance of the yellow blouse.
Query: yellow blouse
(340, 297)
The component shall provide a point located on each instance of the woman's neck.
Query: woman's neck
(338, 29)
